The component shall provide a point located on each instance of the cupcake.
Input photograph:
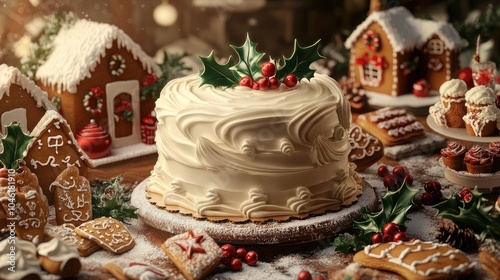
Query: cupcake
(478, 160)
(453, 155)
(450, 110)
(494, 149)
(482, 118)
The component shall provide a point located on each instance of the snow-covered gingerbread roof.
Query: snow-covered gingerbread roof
(405, 32)
(10, 75)
(79, 48)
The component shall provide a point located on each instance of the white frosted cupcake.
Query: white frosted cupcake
(450, 110)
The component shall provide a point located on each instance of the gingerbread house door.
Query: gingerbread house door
(123, 109)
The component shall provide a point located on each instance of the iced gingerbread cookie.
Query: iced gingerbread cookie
(365, 148)
(195, 253)
(66, 233)
(72, 197)
(56, 257)
(416, 260)
(24, 258)
(129, 270)
(108, 233)
(489, 257)
(392, 126)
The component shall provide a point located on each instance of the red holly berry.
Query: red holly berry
(386, 238)
(304, 275)
(465, 74)
(413, 239)
(432, 185)
(468, 197)
(464, 192)
(319, 277)
(437, 195)
(255, 86)
(290, 80)
(263, 83)
(251, 258)
(382, 171)
(246, 81)
(408, 179)
(390, 228)
(268, 69)
(400, 236)
(377, 238)
(230, 248)
(400, 171)
(391, 183)
(236, 264)
(227, 257)
(427, 198)
(240, 253)
(274, 83)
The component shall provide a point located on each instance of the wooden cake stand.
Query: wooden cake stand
(289, 232)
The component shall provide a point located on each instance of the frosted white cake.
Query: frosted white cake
(243, 154)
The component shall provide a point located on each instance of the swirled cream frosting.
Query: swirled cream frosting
(243, 154)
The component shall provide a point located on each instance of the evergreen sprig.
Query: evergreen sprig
(112, 199)
(42, 49)
(173, 66)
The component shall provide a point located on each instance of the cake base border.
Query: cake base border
(292, 231)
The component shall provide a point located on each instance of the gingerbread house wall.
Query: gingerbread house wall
(72, 106)
(388, 84)
(51, 153)
(20, 98)
(449, 60)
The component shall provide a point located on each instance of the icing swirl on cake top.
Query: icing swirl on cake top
(454, 88)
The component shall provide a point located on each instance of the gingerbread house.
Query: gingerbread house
(98, 72)
(21, 100)
(53, 149)
(391, 49)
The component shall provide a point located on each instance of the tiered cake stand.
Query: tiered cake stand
(484, 181)
(269, 233)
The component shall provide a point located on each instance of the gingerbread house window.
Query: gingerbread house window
(435, 46)
(371, 74)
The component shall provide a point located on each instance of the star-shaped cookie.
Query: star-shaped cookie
(191, 244)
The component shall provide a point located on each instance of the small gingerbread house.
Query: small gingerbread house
(53, 149)
(98, 72)
(21, 100)
(391, 49)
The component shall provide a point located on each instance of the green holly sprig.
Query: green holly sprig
(229, 74)
(394, 208)
(111, 198)
(14, 144)
(475, 214)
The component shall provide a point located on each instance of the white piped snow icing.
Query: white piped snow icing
(406, 32)
(78, 49)
(10, 75)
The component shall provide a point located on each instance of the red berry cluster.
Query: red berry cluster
(432, 193)
(391, 232)
(306, 275)
(395, 180)
(466, 195)
(269, 81)
(232, 257)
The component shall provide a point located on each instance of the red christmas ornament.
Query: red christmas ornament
(465, 74)
(94, 140)
(148, 128)
(421, 89)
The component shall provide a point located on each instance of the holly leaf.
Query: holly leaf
(395, 206)
(14, 144)
(475, 214)
(249, 58)
(298, 63)
(217, 74)
(347, 242)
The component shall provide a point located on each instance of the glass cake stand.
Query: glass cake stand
(485, 181)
